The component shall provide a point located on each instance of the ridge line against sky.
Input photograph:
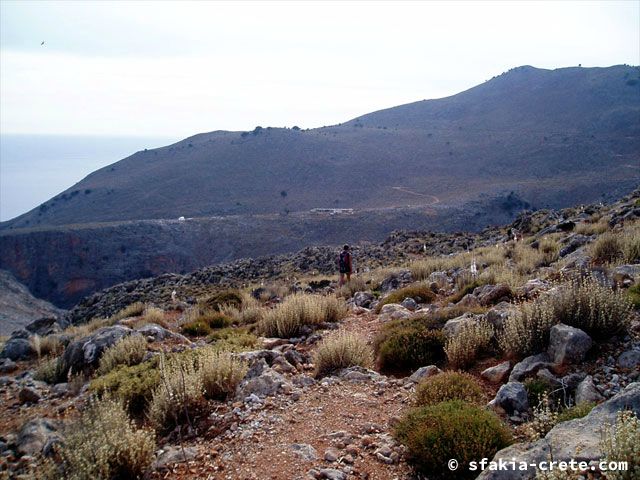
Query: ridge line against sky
(176, 69)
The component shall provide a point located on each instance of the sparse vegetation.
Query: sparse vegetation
(576, 411)
(196, 328)
(437, 433)
(129, 351)
(221, 373)
(226, 297)
(134, 310)
(104, 443)
(620, 444)
(472, 340)
(233, 339)
(447, 386)
(341, 350)
(49, 370)
(286, 319)
(418, 291)
(633, 293)
(404, 345)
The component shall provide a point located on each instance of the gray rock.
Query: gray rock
(577, 439)
(7, 365)
(393, 311)
(529, 366)
(492, 294)
(331, 454)
(626, 274)
(396, 280)
(512, 397)
(172, 454)
(586, 392)
(568, 345)
(159, 333)
(363, 299)
(358, 374)
(497, 374)
(85, 353)
(304, 451)
(424, 372)
(262, 381)
(629, 359)
(332, 474)
(409, 304)
(453, 326)
(34, 435)
(499, 314)
(28, 395)
(574, 242)
(18, 349)
(44, 326)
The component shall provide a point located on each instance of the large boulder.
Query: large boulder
(393, 311)
(568, 345)
(85, 353)
(396, 280)
(424, 372)
(44, 326)
(492, 294)
(577, 439)
(511, 397)
(626, 274)
(18, 349)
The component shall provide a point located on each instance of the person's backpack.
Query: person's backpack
(344, 261)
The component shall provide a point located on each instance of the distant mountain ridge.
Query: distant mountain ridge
(522, 131)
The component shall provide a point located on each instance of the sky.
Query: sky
(176, 69)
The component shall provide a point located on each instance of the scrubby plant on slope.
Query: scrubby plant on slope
(408, 344)
(341, 350)
(104, 444)
(418, 291)
(286, 319)
(129, 350)
(620, 444)
(447, 386)
(463, 348)
(437, 433)
(220, 372)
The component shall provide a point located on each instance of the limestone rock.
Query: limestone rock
(586, 392)
(568, 345)
(529, 366)
(85, 353)
(34, 436)
(497, 374)
(629, 359)
(424, 372)
(173, 454)
(512, 397)
(304, 451)
(18, 349)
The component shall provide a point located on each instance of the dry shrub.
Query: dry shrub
(596, 227)
(550, 249)
(50, 345)
(526, 331)
(129, 351)
(104, 444)
(50, 371)
(134, 310)
(341, 350)
(286, 319)
(620, 444)
(154, 315)
(79, 331)
(472, 339)
(179, 392)
(418, 291)
(607, 248)
(356, 284)
(447, 386)
(221, 373)
(545, 417)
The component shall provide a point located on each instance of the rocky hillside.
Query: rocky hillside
(18, 307)
(529, 138)
(521, 346)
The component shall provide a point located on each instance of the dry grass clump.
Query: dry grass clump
(286, 319)
(550, 249)
(418, 291)
(617, 247)
(449, 386)
(221, 373)
(129, 351)
(50, 371)
(79, 331)
(104, 443)
(134, 310)
(421, 269)
(233, 339)
(49, 345)
(179, 392)
(226, 297)
(595, 227)
(356, 284)
(473, 339)
(583, 303)
(620, 444)
(341, 350)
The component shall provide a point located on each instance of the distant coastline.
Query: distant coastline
(33, 168)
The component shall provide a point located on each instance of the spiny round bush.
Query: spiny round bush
(221, 373)
(437, 433)
(341, 350)
(133, 385)
(418, 291)
(129, 350)
(448, 386)
(620, 444)
(104, 443)
(286, 319)
(468, 343)
(404, 345)
(226, 297)
(196, 328)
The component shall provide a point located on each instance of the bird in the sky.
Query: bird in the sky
(42, 43)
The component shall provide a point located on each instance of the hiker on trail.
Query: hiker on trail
(345, 264)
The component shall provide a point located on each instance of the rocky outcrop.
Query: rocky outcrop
(568, 344)
(576, 439)
(84, 354)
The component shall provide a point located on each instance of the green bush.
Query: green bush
(633, 294)
(196, 328)
(341, 350)
(227, 297)
(105, 444)
(437, 433)
(407, 344)
(233, 339)
(449, 386)
(133, 385)
(418, 291)
(620, 444)
(539, 390)
(217, 319)
(576, 411)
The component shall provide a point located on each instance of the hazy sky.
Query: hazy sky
(174, 69)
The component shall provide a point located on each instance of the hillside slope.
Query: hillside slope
(523, 131)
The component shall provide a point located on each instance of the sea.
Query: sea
(34, 168)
